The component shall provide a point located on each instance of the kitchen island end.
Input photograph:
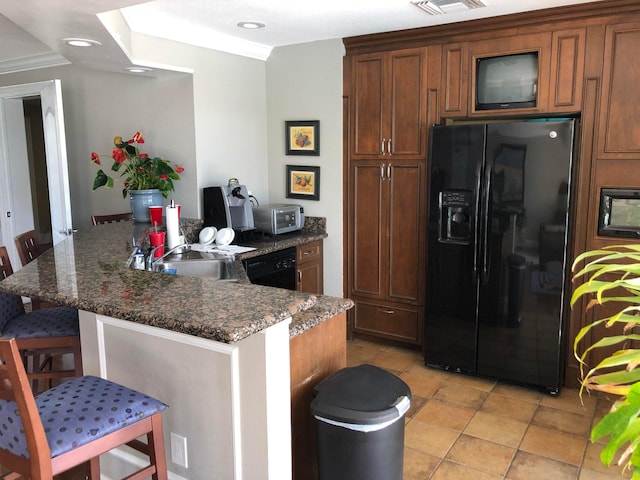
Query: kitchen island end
(217, 352)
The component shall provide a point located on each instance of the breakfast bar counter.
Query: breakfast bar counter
(217, 352)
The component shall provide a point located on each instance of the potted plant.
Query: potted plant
(611, 278)
(146, 178)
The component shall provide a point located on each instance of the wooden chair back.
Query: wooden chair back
(5, 264)
(28, 246)
(14, 387)
(116, 217)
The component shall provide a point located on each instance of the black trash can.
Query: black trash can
(359, 414)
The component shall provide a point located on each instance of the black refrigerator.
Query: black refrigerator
(498, 230)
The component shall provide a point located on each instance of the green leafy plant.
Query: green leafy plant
(140, 171)
(612, 277)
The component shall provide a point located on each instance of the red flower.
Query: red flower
(179, 169)
(118, 155)
(95, 158)
(164, 177)
(137, 138)
(144, 155)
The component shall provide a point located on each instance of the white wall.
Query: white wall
(100, 105)
(304, 82)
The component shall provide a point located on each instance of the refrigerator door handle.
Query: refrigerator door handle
(476, 226)
(485, 216)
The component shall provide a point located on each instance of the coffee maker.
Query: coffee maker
(228, 207)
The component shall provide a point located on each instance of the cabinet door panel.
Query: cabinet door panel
(406, 109)
(619, 133)
(405, 232)
(388, 321)
(567, 70)
(368, 105)
(368, 223)
(455, 79)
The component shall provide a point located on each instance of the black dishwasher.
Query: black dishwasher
(275, 269)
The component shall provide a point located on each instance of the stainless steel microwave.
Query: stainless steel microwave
(278, 218)
(619, 212)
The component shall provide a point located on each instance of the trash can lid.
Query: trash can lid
(365, 395)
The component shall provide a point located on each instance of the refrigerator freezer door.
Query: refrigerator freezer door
(520, 305)
(455, 161)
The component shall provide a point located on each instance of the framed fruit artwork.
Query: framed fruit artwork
(303, 182)
(302, 137)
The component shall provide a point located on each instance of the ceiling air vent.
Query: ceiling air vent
(439, 7)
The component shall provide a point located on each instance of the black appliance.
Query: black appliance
(275, 269)
(497, 235)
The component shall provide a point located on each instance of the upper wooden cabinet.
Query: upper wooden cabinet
(619, 126)
(388, 108)
(567, 70)
(455, 79)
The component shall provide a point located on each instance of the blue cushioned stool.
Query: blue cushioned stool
(40, 334)
(73, 423)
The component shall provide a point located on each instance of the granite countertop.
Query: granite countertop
(88, 272)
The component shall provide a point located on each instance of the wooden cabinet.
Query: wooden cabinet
(309, 272)
(455, 79)
(619, 128)
(567, 70)
(388, 108)
(386, 247)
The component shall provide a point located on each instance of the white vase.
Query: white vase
(141, 200)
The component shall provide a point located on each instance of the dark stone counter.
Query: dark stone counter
(88, 272)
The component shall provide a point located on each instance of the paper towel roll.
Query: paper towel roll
(173, 227)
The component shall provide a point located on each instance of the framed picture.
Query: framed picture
(302, 137)
(303, 182)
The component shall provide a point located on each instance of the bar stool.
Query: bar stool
(40, 334)
(84, 418)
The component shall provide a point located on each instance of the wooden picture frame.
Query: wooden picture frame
(303, 182)
(302, 137)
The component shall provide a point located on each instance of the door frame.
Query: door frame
(50, 93)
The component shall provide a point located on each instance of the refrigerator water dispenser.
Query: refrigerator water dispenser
(455, 217)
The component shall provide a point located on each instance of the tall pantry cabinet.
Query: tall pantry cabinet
(386, 172)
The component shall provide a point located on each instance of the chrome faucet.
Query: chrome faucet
(151, 262)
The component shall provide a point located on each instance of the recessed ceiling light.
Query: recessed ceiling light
(138, 69)
(81, 42)
(251, 25)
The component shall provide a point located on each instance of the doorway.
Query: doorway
(34, 184)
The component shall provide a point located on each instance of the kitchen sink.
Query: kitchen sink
(217, 268)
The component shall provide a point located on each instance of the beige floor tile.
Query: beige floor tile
(452, 471)
(526, 466)
(477, 383)
(418, 465)
(519, 393)
(562, 420)
(461, 395)
(552, 443)
(588, 474)
(503, 405)
(568, 399)
(393, 360)
(454, 417)
(416, 405)
(592, 462)
(483, 455)
(431, 439)
(421, 386)
(421, 370)
(496, 428)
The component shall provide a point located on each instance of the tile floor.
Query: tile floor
(462, 428)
